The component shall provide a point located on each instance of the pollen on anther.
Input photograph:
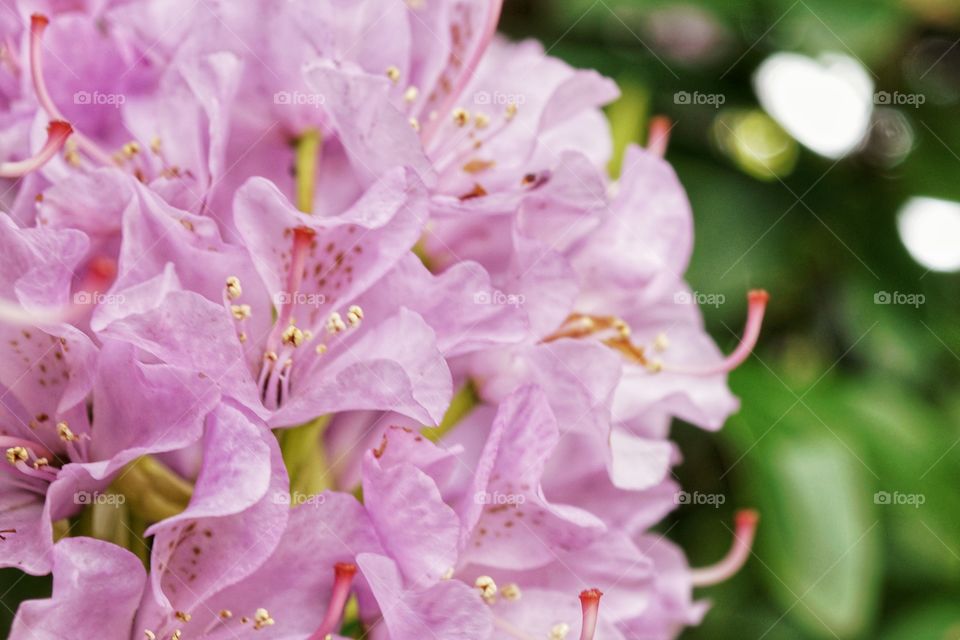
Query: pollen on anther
(225, 614)
(16, 454)
(411, 94)
(335, 323)
(354, 315)
(461, 116)
(234, 290)
(511, 112)
(65, 433)
(240, 311)
(487, 587)
(559, 631)
(510, 591)
(661, 343)
(149, 635)
(183, 615)
(393, 73)
(321, 349)
(261, 619)
(292, 336)
(415, 124)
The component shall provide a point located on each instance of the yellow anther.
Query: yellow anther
(481, 120)
(511, 112)
(240, 311)
(393, 73)
(234, 290)
(411, 94)
(621, 327)
(662, 342)
(354, 315)
(559, 631)
(321, 349)
(335, 323)
(131, 149)
(415, 124)
(488, 588)
(40, 462)
(16, 454)
(292, 336)
(183, 615)
(150, 635)
(65, 433)
(262, 619)
(461, 116)
(155, 144)
(510, 591)
(225, 614)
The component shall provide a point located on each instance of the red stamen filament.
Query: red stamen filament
(343, 578)
(746, 529)
(658, 137)
(751, 332)
(38, 24)
(590, 604)
(57, 134)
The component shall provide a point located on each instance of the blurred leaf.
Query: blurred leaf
(819, 539)
(935, 620)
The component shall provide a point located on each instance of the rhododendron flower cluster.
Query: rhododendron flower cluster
(323, 319)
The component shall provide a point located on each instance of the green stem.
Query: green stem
(305, 167)
(152, 490)
(305, 458)
(462, 403)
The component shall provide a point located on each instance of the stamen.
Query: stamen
(751, 332)
(590, 604)
(468, 68)
(335, 323)
(746, 529)
(487, 587)
(659, 136)
(57, 133)
(393, 73)
(234, 290)
(38, 24)
(559, 631)
(343, 577)
(261, 619)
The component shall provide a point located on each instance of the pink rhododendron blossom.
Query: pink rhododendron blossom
(338, 302)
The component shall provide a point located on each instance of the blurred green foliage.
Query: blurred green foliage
(848, 403)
